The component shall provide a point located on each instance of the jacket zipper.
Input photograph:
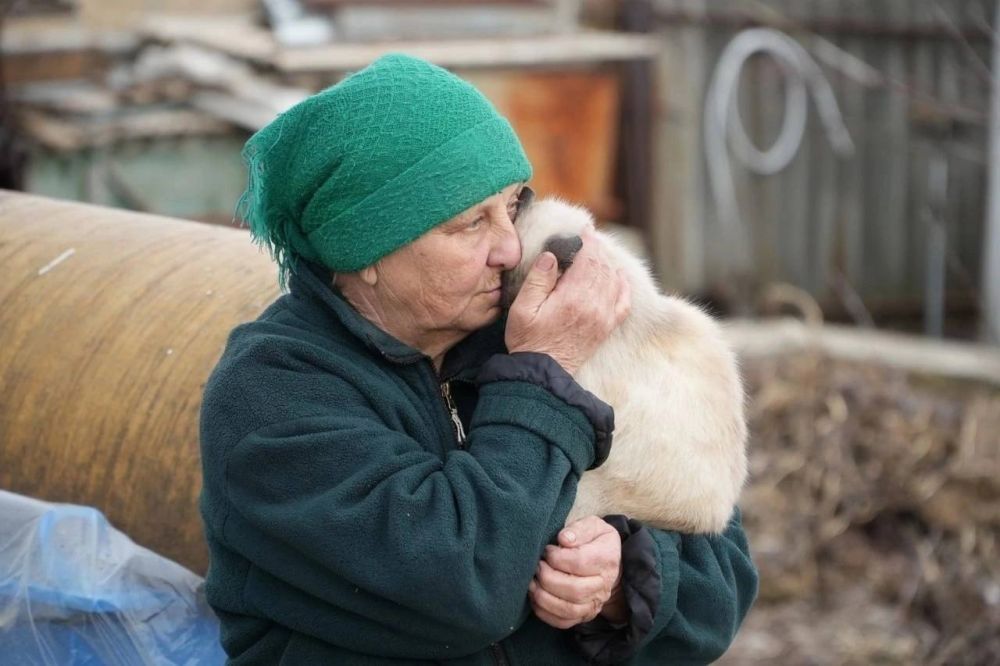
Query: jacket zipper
(455, 420)
(499, 658)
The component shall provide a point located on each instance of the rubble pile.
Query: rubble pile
(873, 512)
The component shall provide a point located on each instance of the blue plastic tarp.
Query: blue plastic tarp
(75, 590)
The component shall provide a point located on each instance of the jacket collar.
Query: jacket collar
(310, 284)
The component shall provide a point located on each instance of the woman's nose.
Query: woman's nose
(506, 250)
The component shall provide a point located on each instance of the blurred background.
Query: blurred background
(824, 174)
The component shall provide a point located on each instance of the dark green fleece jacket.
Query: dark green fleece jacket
(347, 524)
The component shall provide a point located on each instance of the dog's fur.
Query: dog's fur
(679, 454)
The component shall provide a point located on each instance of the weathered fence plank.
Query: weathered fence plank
(826, 220)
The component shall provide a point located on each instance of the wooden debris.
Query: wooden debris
(219, 84)
(70, 97)
(58, 133)
(364, 22)
(906, 352)
(250, 42)
(873, 513)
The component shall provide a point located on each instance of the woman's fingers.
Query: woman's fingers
(566, 613)
(568, 321)
(574, 589)
(575, 580)
(600, 557)
(584, 530)
(552, 620)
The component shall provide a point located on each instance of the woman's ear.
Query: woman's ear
(369, 275)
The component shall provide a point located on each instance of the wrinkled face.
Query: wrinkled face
(448, 280)
(547, 225)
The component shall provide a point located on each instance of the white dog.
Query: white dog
(679, 455)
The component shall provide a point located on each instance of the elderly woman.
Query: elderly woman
(388, 463)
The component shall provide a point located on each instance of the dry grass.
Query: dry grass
(874, 516)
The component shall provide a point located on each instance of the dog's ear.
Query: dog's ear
(565, 249)
(524, 200)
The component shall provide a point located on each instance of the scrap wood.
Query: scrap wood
(243, 39)
(219, 84)
(237, 36)
(233, 109)
(364, 21)
(578, 47)
(906, 352)
(63, 134)
(69, 97)
(35, 35)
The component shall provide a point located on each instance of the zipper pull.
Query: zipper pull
(459, 428)
(499, 658)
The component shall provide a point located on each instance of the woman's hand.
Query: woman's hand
(580, 578)
(570, 319)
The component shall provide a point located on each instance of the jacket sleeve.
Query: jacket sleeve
(687, 596)
(360, 535)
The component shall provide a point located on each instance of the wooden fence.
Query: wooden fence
(883, 229)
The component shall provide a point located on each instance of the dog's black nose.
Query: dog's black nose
(565, 249)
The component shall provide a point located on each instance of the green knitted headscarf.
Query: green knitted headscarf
(368, 165)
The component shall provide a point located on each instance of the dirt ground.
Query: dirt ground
(873, 512)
